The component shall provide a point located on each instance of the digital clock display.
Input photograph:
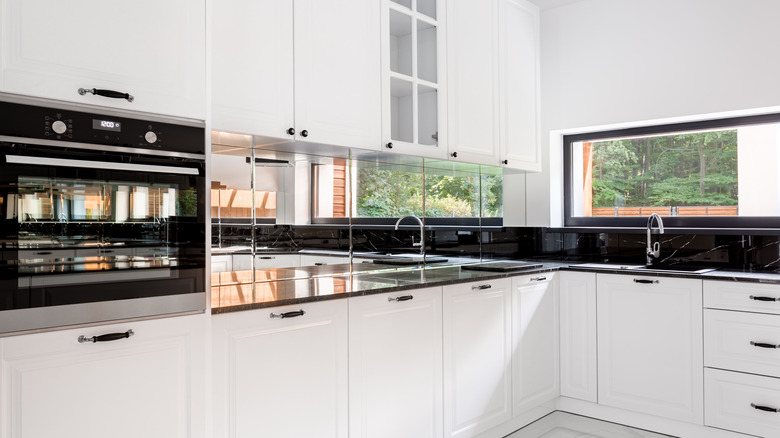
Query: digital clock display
(106, 125)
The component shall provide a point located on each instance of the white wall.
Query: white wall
(621, 61)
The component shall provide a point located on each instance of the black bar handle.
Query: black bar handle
(481, 287)
(643, 281)
(107, 93)
(753, 297)
(762, 345)
(43, 253)
(292, 314)
(106, 338)
(402, 298)
(764, 408)
(542, 278)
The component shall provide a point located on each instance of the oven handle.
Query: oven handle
(62, 162)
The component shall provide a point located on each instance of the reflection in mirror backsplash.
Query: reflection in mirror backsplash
(745, 252)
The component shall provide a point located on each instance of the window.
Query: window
(713, 174)
(380, 190)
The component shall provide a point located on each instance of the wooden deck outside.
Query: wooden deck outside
(665, 211)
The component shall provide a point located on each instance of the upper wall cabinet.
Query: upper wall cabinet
(413, 78)
(493, 82)
(151, 50)
(301, 70)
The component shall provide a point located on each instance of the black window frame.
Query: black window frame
(679, 222)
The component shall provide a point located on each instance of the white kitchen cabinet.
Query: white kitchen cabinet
(578, 335)
(243, 262)
(303, 70)
(493, 83)
(520, 139)
(477, 356)
(315, 260)
(413, 83)
(154, 51)
(742, 341)
(741, 402)
(650, 345)
(395, 364)
(221, 263)
(281, 377)
(535, 354)
(151, 384)
(473, 80)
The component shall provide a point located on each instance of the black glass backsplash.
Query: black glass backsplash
(747, 252)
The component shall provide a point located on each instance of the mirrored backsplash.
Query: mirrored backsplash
(744, 252)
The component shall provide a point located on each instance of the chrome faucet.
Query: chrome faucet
(421, 243)
(653, 249)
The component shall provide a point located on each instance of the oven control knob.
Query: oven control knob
(59, 127)
(150, 137)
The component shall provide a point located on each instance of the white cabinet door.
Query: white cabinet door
(650, 345)
(414, 78)
(395, 364)
(152, 50)
(521, 147)
(578, 335)
(477, 356)
(303, 70)
(252, 66)
(473, 80)
(741, 402)
(534, 341)
(314, 260)
(148, 385)
(281, 377)
(337, 72)
(243, 262)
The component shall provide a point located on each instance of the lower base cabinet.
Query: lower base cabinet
(650, 348)
(477, 356)
(395, 363)
(281, 372)
(741, 402)
(150, 384)
(535, 351)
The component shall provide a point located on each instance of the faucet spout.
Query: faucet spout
(653, 250)
(421, 244)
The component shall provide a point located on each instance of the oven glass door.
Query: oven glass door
(83, 226)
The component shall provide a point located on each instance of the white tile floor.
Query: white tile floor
(565, 425)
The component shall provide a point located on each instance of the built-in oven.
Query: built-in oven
(102, 215)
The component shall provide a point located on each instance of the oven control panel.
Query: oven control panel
(36, 122)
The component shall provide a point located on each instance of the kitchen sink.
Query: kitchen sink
(680, 268)
(688, 269)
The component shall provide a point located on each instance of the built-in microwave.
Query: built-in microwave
(102, 215)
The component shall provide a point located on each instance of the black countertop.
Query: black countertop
(235, 291)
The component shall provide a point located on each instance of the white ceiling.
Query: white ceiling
(549, 4)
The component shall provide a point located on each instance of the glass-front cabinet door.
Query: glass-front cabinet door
(412, 84)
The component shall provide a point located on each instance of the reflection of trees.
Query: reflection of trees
(387, 193)
(677, 170)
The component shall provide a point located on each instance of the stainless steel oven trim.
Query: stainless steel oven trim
(47, 318)
(100, 147)
(85, 164)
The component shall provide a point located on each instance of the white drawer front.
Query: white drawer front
(750, 297)
(742, 341)
(728, 397)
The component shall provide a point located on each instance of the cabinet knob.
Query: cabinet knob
(304, 133)
(505, 162)
(291, 131)
(389, 145)
(454, 155)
